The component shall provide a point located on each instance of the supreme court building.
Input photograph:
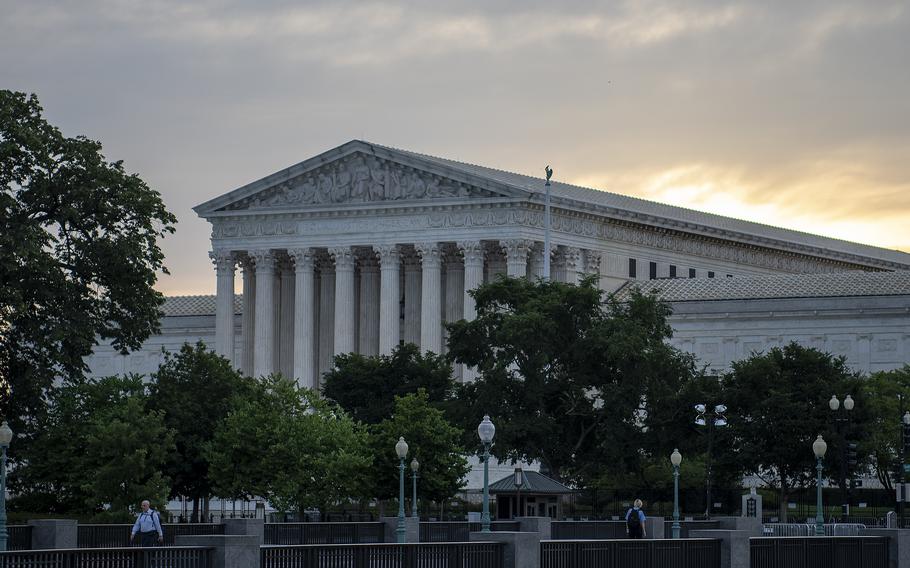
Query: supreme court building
(364, 246)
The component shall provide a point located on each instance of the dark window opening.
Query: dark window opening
(672, 271)
(691, 273)
(652, 270)
(631, 268)
(710, 274)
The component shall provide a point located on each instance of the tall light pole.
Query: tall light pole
(901, 493)
(842, 425)
(676, 459)
(486, 430)
(6, 436)
(415, 465)
(711, 419)
(401, 448)
(819, 447)
(519, 480)
(546, 222)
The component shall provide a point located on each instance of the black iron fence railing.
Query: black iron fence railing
(444, 555)
(821, 551)
(171, 557)
(575, 530)
(454, 531)
(324, 533)
(112, 536)
(19, 537)
(677, 553)
(686, 526)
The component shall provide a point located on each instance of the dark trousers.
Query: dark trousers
(148, 538)
(636, 532)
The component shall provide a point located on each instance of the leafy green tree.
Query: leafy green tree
(778, 405)
(366, 387)
(887, 395)
(194, 391)
(78, 255)
(569, 379)
(99, 446)
(287, 444)
(431, 440)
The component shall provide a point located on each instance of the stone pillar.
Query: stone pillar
(230, 551)
(472, 251)
(305, 366)
(734, 546)
(389, 309)
(540, 525)
(286, 319)
(454, 298)
(522, 549)
(411, 528)
(592, 265)
(899, 545)
(496, 262)
(345, 342)
(246, 527)
(412, 299)
(516, 256)
(54, 533)
(369, 305)
(265, 349)
(654, 527)
(248, 321)
(326, 334)
(224, 303)
(430, 301)
(572, 259)
(535, 262)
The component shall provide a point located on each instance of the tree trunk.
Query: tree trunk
(195, 515)
(784, 496)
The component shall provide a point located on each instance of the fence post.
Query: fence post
(898, 545)
(411, 528)
(734, 546)
(522, 548)
(247, 527)
(54, 533)
(230, 551)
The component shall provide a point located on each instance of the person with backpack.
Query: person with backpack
(148, 525)
(635, 520)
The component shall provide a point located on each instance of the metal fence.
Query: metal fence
(423, 555)
(574, 530)
(437, 531)
(113, 536)
(19, 537)
(172, 557)
(324, 533)
(668, 553)
(686, 526)
(806, 529)
(819, 552)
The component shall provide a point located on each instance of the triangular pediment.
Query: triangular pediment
(357, 176)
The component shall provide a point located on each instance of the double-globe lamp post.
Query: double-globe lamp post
(401, 448)
(842, 426)
(819, 447)
(486, 430)
(415, 465)
(676, 459)
(6, 436)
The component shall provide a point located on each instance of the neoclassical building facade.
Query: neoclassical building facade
(364, 246)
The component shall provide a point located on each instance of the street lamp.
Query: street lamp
(819, 447)
(676, 459)
(415, 465)
(401, 448)
(711, 419)
(518, 479)
(486, 430)
(842, 426)
(6, 436)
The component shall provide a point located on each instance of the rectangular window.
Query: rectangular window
(710, 274)
(631, 268)
(652, 271)
(729, 276)
(691, 273)
(672, 271)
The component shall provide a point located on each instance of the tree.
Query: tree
(99, 446)
(883, 437)
(287, 444)
(431, 440)
(78, 255)
(366, 387)
(778, 405)
(569, 379)
(194, 391)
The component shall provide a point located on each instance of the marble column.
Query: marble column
(345, 310)
(412, 299)
(224, 303)
(286, 319)
(454, 295)
(248, 319)
(430, 301)
(572, 259)
(326, 335)
(535, 262)
(593, 259)
(369, 306)
(472, 251)
(516, 256)
(266, 344)
(389, 308)
(305, 306)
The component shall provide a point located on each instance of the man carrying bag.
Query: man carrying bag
(148, 525)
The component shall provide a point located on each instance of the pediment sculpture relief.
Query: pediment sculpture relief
(359, 178)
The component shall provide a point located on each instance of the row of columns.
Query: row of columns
(302, 306)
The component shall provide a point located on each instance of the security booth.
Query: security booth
(528, 494)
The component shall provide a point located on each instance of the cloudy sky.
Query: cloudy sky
(789, 113)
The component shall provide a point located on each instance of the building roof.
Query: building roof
(827, 285)
(534, 482)
(202, 305)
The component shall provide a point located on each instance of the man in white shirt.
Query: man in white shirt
(148, 525)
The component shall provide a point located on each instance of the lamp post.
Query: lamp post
(819, 447)
(842, 425)
(401, 448)
(519, 480)
(546, 222)
(676, 459)
(711, 419)
(6, 436)
(486, 430)
(415, 465)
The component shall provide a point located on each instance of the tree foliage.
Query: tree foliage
(78, 254)
(292, 447)
(887, 397)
